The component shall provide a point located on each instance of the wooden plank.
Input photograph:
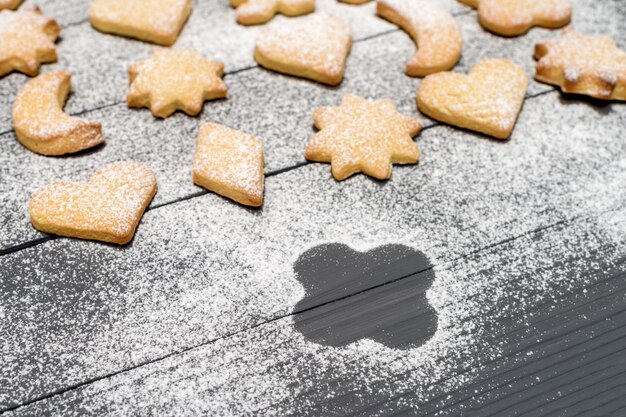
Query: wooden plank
(205, 268)
(167, 146)
(528, 349)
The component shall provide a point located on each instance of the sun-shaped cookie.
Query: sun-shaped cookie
(363, 136)
(26, 41)
(581, 64)
(175, 80)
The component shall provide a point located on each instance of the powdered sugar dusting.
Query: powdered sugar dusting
(316, 44)
(226, 269)
(229, 161)
(435, 31)
(363, 136)
(110, 204)
(26, 39)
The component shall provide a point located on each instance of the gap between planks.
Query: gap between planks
(89, 381)
(34, 242)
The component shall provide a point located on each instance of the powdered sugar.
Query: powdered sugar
(316, 45)
(434, 30)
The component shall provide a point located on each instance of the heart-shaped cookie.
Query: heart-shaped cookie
(314, 47)
(486, 100)
(106, 208)
(515, 17)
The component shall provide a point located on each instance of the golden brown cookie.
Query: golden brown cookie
(26, 41)
(581, 64)
(433, 29)
(230, 163)
(175, 80)
(486, 100)
(254, 12)
(40, 123)
(314, 47)
(9, 4)
(157, 21)
(515, 17)
(107, 208)
(363, 136)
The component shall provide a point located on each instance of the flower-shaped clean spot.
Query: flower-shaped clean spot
(379, 294)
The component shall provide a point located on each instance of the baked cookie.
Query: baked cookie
(487, 100)
(107, 208)
(515, 17)
(314, 47)
(40, 123)
(157, 21)
(254, 12)
(363, 136)
(26, 41)
(433, 29)
(9, 4)
(581, 64)
(173, 80)
(230, 163)
(354, 1)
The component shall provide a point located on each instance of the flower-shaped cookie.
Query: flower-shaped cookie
(363, 136)
(175, 80)
(581, 64)
(26, 41)
(254, 12)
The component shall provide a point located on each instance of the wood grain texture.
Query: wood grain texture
(204, 312)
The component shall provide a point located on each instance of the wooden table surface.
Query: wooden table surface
(489, 279)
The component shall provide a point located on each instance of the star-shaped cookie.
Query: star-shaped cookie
(254, 12)
(9, 4)
(175, 80)
(581, 64)
(363, 136)
(26, 41)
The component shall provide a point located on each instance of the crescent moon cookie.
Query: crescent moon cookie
(433, 29)
(9, 4)
(487, 100)
(254, 12)
(40, 123)
(516, 17)
(26, 41)
(581, 64)
(363, 136)
(173, 80)
(108, 207)
(156, 21)
(315, 47)
(230, 163)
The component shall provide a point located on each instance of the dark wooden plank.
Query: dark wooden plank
(536, 349)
